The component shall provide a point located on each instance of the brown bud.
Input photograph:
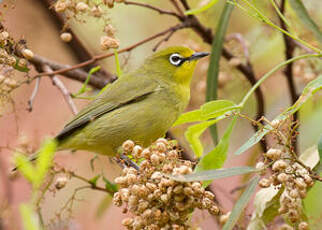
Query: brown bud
(66, 37)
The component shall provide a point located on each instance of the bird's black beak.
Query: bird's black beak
(198, 55)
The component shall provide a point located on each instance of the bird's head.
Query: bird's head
(175, 64)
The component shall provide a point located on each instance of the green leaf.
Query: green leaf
(193, 134)
(211, 109)
(216, 50)
(109, 185)
(202, 8)
(217, 108)
(94, 180)
(310, 157)
(213, 174)
(44, 160)
(216, 158)
(320, 147)
(29, 218)
(304, 16)
(117, 62)
(310, 89)
(266, 205)
(20, 68)
(241, 204)
(318, 168)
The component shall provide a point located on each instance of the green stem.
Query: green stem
(268, 74)
(269, 22)
(280, 13)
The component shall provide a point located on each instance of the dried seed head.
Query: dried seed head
(61, 6)
(128, 146)
(273, 154)
(127, 222)
(109, 42)
(282, 177)
(109, 30)
(223, 218)
(264, 183)
(161, 147)
(260, 165)
(303, 226)
(137, 150)
(81, 6)
(300, 183)
(61, 182)
(279, 165)
(155, 159)
(96, 11)
(28, 54)
(66, 37)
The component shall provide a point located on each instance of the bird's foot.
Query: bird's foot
(125, 161)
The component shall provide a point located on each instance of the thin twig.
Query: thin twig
(145, 5)
(102, 56)
(289, 50)
(33, 95)
(165, 39)
(175, 4)
(60, 85)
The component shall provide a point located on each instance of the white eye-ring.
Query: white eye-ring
(175, 59)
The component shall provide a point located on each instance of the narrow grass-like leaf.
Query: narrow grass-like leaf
(217, 157)
(213, 71)
(241, 204)
(193, 134)
(84, 86)
(304, 16)
(214, 174)
(310, 89)
(318, 168)
(217, 108)
(202, 8)
(117, 62)
(207, 111)
(109, 185)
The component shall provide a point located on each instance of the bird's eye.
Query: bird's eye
(175, 59)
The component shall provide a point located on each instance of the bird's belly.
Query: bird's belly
(142, 122)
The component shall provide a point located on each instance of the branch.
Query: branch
(288, 72)
(60, 85)
(102, 56)
(75, 74)
(160, 11)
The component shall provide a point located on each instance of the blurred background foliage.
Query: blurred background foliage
(30, 20)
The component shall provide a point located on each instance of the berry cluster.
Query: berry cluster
(73, 9)
(156, 201)
(295, 179)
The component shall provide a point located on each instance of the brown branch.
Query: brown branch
(75, 74)
(102, 56)
(160, 11)
(175, 4)
(288, 71)
(60, 85)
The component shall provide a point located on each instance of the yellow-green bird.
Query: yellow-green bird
(139, 106)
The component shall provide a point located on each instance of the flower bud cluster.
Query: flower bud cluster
(74, 8)
(294, 178)
(157, 201)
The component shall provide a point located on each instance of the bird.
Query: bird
(140, 106)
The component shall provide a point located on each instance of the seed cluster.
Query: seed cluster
(156, 201)
(295, 179)
(75, 8)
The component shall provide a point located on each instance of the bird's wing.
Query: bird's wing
(124, 91)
